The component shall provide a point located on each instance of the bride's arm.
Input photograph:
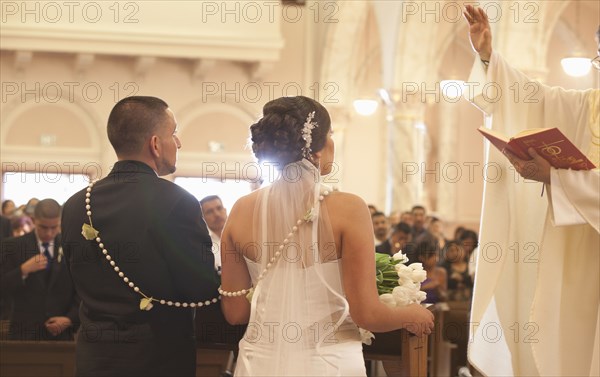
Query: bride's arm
(234, 272)
(358, 263)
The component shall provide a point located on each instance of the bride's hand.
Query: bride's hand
(419, 320)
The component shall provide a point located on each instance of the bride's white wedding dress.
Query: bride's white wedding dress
(299, 322)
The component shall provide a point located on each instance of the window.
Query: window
(229, 190)
(22, 186)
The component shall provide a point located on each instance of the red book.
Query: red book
(549, 143)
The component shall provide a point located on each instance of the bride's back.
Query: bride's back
(242, 228)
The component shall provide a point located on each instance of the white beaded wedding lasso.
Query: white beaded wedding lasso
(90, 233)
(308, 217)
(146, 303)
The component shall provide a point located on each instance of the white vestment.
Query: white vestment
(537, 285)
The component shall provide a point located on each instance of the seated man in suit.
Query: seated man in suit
(400, 239)
(381, 227)
(215, 216)
(36, 281)
(144, 262)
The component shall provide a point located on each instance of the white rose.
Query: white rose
(420, 296)
(388, 299)
(405, 280)
(402, 296)
(402, 269)
(413, 286)
(418, 276)
(400, 257)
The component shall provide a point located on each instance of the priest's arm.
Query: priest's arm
(515, 102)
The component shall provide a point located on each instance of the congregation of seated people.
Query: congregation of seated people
(448, 261)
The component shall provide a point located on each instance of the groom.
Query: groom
(152, 243)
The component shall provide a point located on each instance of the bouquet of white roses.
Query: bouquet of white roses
(397, 284)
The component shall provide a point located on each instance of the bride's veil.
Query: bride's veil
(297, 307)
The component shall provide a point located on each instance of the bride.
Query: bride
(298, 259)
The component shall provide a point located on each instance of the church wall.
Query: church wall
(54, 112)
(55, 105)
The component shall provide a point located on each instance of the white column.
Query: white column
(406, 157)
(447, 158)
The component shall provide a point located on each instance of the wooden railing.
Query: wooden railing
(31, 358)
(402, 353)
(57, 359)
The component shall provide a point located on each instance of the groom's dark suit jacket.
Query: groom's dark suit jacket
(43, 294)
(154, 231)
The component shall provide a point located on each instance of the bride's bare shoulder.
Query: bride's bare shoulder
(345, 202)
(245, 203)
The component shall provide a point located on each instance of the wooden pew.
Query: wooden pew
(33, 359)
(400, 347)
(43, 359)
(403, 353)
(211, 362)
(216, 340)
(456, 331)
(215, 343)
(440, 350)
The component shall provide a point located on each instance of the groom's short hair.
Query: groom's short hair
(132, 122)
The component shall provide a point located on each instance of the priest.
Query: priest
(537, 287)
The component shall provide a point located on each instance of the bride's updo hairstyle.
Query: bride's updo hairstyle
(277, 136)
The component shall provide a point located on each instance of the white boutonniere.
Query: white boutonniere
(60, 254)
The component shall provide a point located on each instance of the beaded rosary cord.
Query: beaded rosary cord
(307, 218)
(89, 233)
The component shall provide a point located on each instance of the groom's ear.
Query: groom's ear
(154, 146)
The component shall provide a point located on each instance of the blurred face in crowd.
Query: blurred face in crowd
(394, 218)
(435, 227)
(21, 226)
(418, 218)
(468, 245)
(407, 217)
(455, 254)
(215, 215)
(380, 226)
(8, 208)
(429, 261)
(399, 240)
(46, 229)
